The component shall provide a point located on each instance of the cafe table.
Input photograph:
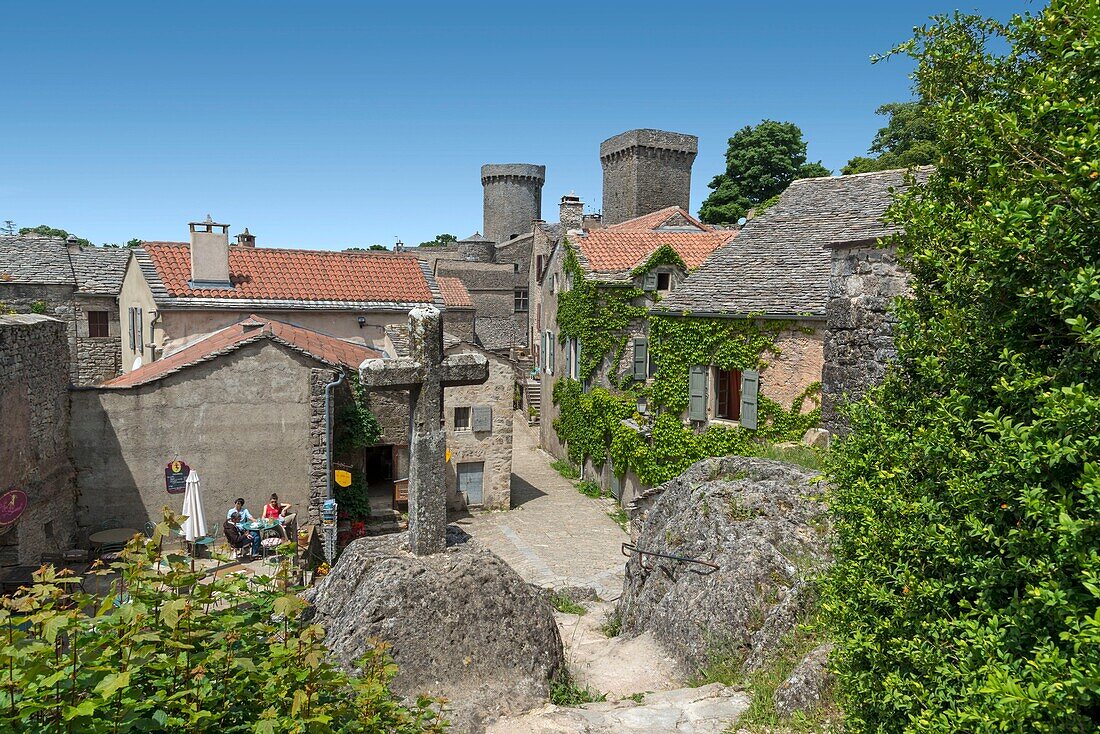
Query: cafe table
(113, 536)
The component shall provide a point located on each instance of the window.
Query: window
(574, 358)
(664, 281)
(135, 331)
(728, 394)
(553, 283)
(98, 325)
(539, 260)
(462, 419)
(521, 299)
(515, 267)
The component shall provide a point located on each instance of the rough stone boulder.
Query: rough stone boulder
(807, 687)
(462, 625)
(762, 522)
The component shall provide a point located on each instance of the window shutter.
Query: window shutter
(140, 334)
(130, 314)
(576, 366)
(551, 351)
(641, 359)
(750, 388)
(697, 393)
(649, 283)
(482, 418)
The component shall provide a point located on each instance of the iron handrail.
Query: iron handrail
(628, 548)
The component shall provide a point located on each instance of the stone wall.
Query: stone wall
(34, 436)
(797, 366)
(241, 421)
(58, 301)
(97, 358)
(859, 341)
(493, 447)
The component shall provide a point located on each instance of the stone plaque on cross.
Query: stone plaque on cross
(425, 373)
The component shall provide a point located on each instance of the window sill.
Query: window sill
(728, 422)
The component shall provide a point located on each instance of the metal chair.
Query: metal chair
(209, 539)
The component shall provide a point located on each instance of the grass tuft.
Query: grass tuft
(613, 625)
(566, 469)
(590, 489)
(565, 605)
(803, 456)
(566, 692)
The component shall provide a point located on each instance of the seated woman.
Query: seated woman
(240, 539)
(275, 510)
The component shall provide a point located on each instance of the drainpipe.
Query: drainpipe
(330, 530)
(328, 428)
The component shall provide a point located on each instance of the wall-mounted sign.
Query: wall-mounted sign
(175, 477)
(342, 477)
(12, 504)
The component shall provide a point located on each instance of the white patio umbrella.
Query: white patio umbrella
(194, 527)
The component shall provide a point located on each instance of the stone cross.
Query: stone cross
(425, 373)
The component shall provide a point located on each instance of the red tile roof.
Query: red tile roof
(628, 244)
(454, 292)
(325, 348)
(303, 275)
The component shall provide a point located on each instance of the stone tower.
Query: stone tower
(646, 170)
(513, 198)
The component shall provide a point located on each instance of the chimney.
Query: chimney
(571, 212)
(246, 239)
(209, 254)
(592, 221)
(72, 244)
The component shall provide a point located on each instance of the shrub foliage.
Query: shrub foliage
(162, 648)
(966, 596)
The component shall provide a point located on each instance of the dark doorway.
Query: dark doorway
(729, 394)
(378, 468)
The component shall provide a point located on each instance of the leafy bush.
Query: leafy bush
(170, 650)
(966, 596)
(589, 489)
(566, 692)
(565, 468)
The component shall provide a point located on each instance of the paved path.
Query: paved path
(554, 536)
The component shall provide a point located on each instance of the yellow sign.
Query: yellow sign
(343, 478)
(447, 455)
(176, 466)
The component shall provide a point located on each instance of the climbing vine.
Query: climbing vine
(663, 255)
(356, 426)
(596, 314)
(658, 446)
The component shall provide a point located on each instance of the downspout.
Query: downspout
(328, 428)
(329, 528)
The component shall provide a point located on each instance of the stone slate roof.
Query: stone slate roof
(322, 347)
(38, 260)
(480, 276)
(454, 292)
(100, 271)
(618, 249)
(296, 279)
(778, 265)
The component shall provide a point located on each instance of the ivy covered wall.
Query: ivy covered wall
(603, 317)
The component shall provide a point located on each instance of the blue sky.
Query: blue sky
(327, 125)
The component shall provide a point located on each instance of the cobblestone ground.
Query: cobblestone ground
(553, 536)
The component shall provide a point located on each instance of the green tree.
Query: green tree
(440, 240)
(761, 161)
(48, 231)
(966, 595)
(909, 139)
(378, 247)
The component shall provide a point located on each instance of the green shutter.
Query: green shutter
(551, 351)
(750, 389)
(641, 358)
(697, 393)
(649, 283)
(482, 418)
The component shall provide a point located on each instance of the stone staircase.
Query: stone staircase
(532, 401)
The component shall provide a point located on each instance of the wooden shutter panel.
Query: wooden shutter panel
(697, 393)
(576, 358)
(641, 358)
(551, 351)
(649, 283)
(130, 323)
(750, 389)
(140, 334)
(482, 418)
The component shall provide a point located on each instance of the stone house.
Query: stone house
(652, 254)
(245, 407)
(478, 422)
(76, 284)
(777, 270)
(174, 292)
(34, 438)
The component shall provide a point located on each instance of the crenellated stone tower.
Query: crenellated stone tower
(646, 170)
(513, 198)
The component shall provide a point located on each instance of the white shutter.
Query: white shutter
(750, 390)
(697, 393)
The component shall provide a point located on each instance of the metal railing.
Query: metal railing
(628, 549)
